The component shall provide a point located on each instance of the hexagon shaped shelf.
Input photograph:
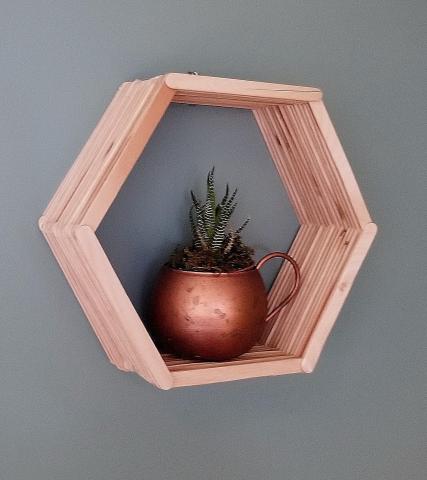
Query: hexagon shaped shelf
(334, 237)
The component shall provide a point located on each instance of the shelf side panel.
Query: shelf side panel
(337, 296)
(301, 246)
(321, 189)
(69, 262)
(321, 253)
(144, 356)
(97, 144)
(105, 302)
(127, 149)
(331, 153)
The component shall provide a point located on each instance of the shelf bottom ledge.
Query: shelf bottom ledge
(228, 373)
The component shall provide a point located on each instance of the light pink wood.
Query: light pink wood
(338, 157)
(337, 297)
(152, 109)
(238, 371)
(227, 92)
(335, 234)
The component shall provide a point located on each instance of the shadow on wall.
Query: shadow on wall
(150, 215)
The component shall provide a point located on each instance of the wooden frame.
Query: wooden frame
(334, 237)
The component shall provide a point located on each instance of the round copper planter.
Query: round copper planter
(212, 316)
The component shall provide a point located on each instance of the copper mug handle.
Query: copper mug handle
(297, 282)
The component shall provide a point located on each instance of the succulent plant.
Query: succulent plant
(215, 246)
(209, 220)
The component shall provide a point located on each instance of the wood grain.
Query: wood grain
(334, 237)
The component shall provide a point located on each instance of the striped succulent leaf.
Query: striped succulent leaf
(229, 242)
(210, 205)
(201, 236)
(231, 209)
(219, 234)
(196, 241)
(198, 237)
(230, 201)
(225, 197)
(243, 225)
(224, 218)
(209, 220)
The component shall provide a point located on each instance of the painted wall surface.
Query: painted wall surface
(65, 412)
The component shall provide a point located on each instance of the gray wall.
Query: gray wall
(65, 412)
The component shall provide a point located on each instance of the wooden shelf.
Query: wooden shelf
(335, 231)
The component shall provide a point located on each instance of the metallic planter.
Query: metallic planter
(213, 316)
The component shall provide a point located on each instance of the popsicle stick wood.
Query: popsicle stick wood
(335, 234)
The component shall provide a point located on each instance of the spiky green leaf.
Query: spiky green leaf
(243, 225)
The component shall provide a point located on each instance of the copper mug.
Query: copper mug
(213, 316)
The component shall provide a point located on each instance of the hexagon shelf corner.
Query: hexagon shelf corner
(335, 231)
